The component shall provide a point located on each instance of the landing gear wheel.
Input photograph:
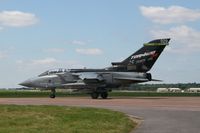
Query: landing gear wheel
(94, 95)
(53, 95)
(104, 95)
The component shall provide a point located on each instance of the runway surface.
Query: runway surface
(158, 114)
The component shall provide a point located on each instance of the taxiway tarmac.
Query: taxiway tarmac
(158, 114)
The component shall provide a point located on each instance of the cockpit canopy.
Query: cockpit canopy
(53, 71)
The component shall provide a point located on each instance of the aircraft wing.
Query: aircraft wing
(74, 85)
(85, 79)
(136, 79)
(131, 79)
(61, 77)
(91, 77)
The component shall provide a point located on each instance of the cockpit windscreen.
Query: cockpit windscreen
(53, 71)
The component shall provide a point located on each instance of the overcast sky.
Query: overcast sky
(39, 35)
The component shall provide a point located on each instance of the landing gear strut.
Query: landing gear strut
(53, 95)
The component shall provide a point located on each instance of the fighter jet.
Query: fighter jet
(98, 82)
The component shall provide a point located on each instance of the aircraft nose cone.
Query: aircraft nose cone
(26, 83)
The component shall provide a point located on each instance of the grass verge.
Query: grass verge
(27, 93)
(57, 119)
(154, 94)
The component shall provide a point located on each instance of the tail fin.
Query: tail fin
(143, 59)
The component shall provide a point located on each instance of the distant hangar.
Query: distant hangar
(194, 90)
(169, 90)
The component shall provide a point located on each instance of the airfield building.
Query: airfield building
(162, 90)
(174, 90)
(194, 90)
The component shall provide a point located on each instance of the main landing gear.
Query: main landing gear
(95, 95)
(53, 93)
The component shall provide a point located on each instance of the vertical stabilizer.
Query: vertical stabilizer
(143, 59)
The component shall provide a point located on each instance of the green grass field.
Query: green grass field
(13, 93)
(57, 119)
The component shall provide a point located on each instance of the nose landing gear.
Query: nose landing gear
(53, 93)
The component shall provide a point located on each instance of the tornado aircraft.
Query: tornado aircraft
(98, 82)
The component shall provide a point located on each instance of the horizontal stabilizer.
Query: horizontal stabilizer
(156, 80)
(117, 63)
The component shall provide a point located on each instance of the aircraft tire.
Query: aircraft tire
(104, 95)
(94, 95)
(52, 96)
(53, 91)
